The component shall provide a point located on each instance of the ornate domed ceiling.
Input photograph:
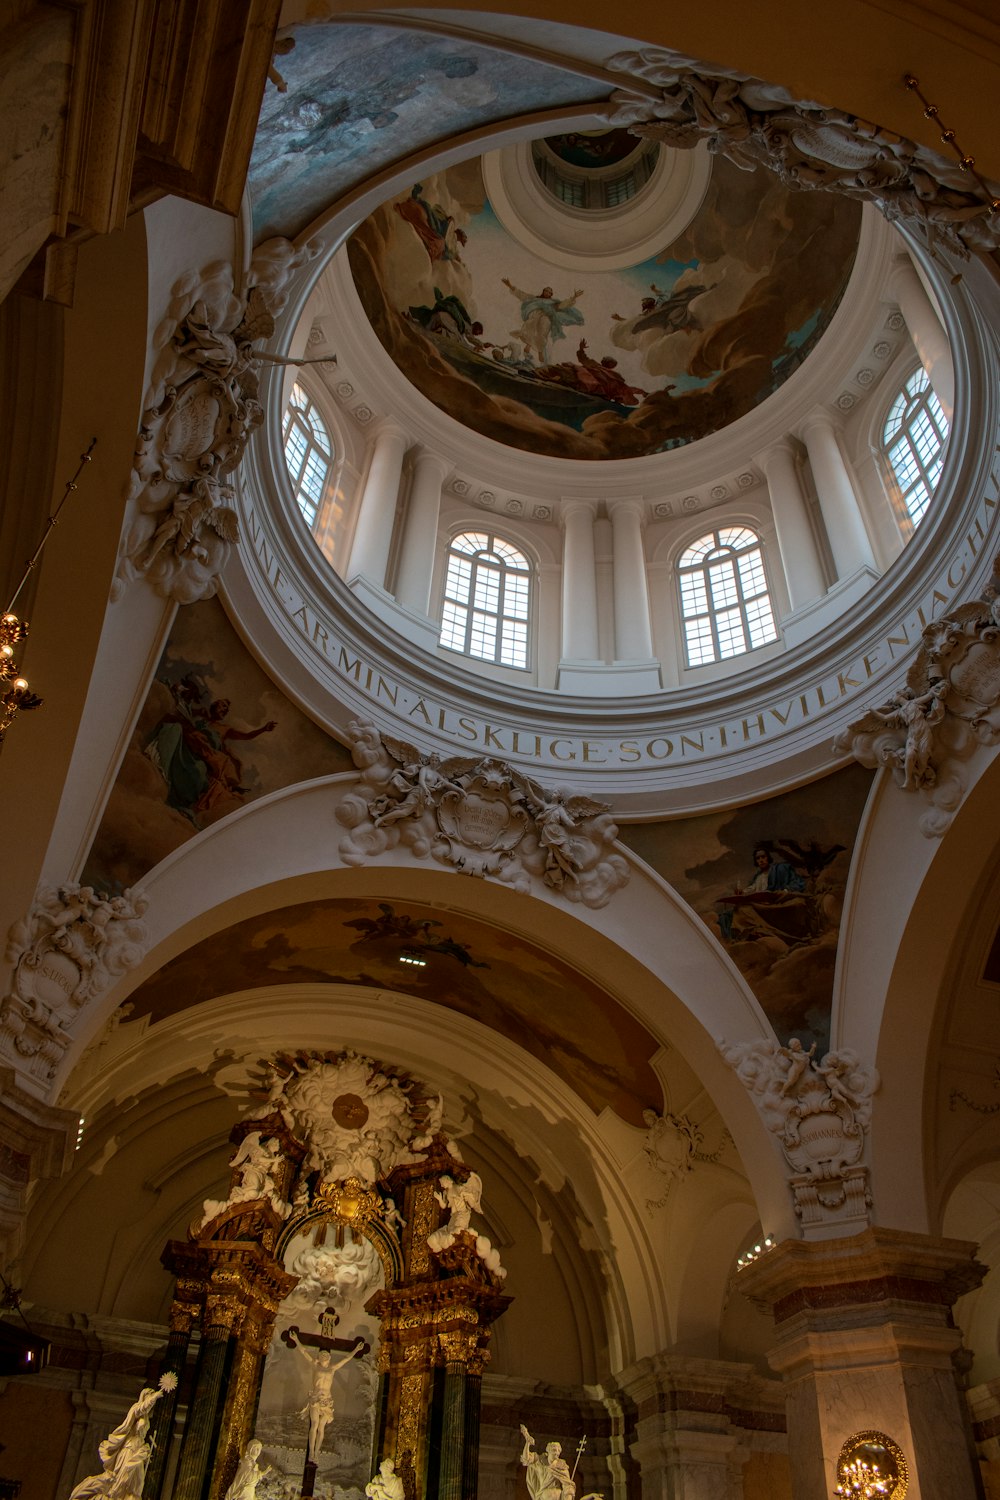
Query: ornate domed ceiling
(583, 363)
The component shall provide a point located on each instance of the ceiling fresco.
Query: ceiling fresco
(553, 1011)
(769, 880)
(357, 98)
(603, 365)
(214, 734)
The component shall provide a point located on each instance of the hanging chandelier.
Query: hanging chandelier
(15, 692)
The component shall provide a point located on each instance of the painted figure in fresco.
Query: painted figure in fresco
(770, 877)
(448, 318)
(431, 224)
(249, 1474)
(602, 378)
(190, 747)
(386, 1484)
(544, 318)
(319, 1407)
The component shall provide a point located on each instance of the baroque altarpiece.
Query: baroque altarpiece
(338, 1304)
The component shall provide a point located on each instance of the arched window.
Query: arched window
(913, 440)
(308, 452)
(725, 605)
(487, 600)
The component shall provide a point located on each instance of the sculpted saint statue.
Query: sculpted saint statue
(124, 1455)
(386, 1484)
(249, 1473)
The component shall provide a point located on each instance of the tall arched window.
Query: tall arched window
(725, 604)
(308, 452)
(913, 440)
(487, 600)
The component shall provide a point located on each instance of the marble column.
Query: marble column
(450, 1473)
(925, 329)
(377, 513)
(796, 543)
(696, 1422)
(182, 1319)
(416, 562)
(579, 582)
(633, 632)
(864, 1340)
(838, 499)
(207, 1397)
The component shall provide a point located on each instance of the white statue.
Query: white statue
(460, 1199)
(548, 1476)
(257, 1162)
(386, 1484)
(249, 1474)
(125, 1452)
(432, 1125)
(319, 1407)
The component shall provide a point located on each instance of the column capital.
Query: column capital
(575, 505)
(823, 1277)
(627, 505)
(819, 420)
(781, 447)
(429, 459)
(388, 430)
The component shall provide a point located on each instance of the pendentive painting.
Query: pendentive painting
(214, 734)
(769, 881)
(603, 364)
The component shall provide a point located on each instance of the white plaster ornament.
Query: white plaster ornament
(806, 145)
(820, 1112)
(480, 816)
(200, 412)
(949, 704)
(71, 947)
(461, 1199)
(256, 1161)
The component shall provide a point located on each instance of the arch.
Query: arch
(647, 948)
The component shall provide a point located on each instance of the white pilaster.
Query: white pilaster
(796, 542)
(633, 632)
(838, 499)
(579, 583)
(373, 533)
(926, 331)
(416, 563)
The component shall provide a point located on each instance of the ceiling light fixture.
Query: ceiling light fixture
(15, 693)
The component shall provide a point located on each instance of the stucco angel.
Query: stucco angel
(917, 715)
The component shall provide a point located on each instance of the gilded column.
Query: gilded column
(416, 561)
(222, 1316)
(377, 513)
(242, 1395)
(837, 496)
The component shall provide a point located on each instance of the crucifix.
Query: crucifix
(319, 1405)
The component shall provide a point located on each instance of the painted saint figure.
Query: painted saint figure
(544, 318)
(319, 1407)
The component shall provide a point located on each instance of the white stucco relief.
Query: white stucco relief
(806, 145)
(200, 412)
(480, 816)
(71, 947)
(949, 704)
(820, 1111)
